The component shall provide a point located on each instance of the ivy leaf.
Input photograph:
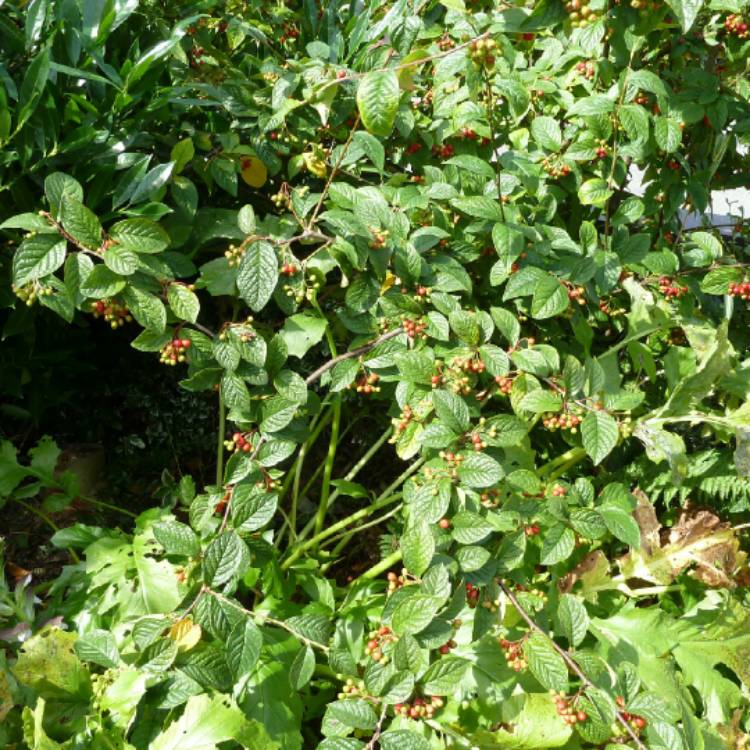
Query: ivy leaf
(599, 432)
(377, 99)
(257, 275)
(545, 663)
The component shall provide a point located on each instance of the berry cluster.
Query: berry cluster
(454, 461)
(636, 722)
(222, 504)
(504, 384)
(577, 293)
(378, 640)
(468, 364)
(602, 152)
(379, 238)
(175, 351)
(670, 290)
(468, 133)
(564, 421)
(445, 523)
(115, 313)
(412, 148)
(289, 269)
(673, 164)
(472, 595)
(482, 52)
(580, 13)
(30, 292)
(445, 43)
(401, 422)
(396, 581)
(558, 491)
(447, 647)
(290, 32)
(420, 708)
(234, 255)
(514, 654)
(640, 98)
(239, 442)
(586, 69)
(366, 384)
(531, 530)
(489, 498)
(476, 442)
(567, 710)
(353, 689)
(195, 54)
(280, 199)
(554, 167)
(414, 328)
(444, 152)
(740, 290)
(736, 25)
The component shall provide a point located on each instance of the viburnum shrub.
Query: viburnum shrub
(400, 243)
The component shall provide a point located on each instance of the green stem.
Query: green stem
(325, 489)
(336, 527)
(573, 455)
(381, 567)
(220, 444)
(46, 519)
(349, 477)
(108, 506)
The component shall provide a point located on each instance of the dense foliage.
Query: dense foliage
(480, 474)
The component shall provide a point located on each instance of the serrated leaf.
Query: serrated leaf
(378, 96)
(257, 275)
(223, 558)
(302, 668)
(599, 432)
(545, 663)
(183, 302)
(573, 618)
(418, 547)
(99, 647)
(444, 676)
(414, 614)
(594, 192)
(559, 543)
(38, 257)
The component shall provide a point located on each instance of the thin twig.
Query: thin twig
(567, 659)
(353, 353)
(378, 730)
(264, 620)
(331, 177)
(67, 235)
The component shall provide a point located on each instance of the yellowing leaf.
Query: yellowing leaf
(315, 165)
(388, 282)
(185, 633)
(254, 171)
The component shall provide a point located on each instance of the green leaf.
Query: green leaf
(686, 11)
(81, 223)
(667, 133)
(32, 86)
(371, 146)
(183, 302)
(599, 432)
(243, 647)
(573, 618)
(479, 470)
(378, 96)
(102, 282)
(121, 260)
(717, 281)
(621, 525)
(99, 647)
(451, 409)
(206, 722)
(223, 558)
(354, 713)
(402, 739)
(545, 663)
(540, 400)
(559, 543)
(146, 308)
(444, 676)
(139, 236)
(634, 119)
(60, 188)
(546, 132)
(594, 192)
(257, 275)
(414, 614)
(177, 538)
(38, 257)
(550, 298)
(418, 547)
(302, 668)
(480, 207)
